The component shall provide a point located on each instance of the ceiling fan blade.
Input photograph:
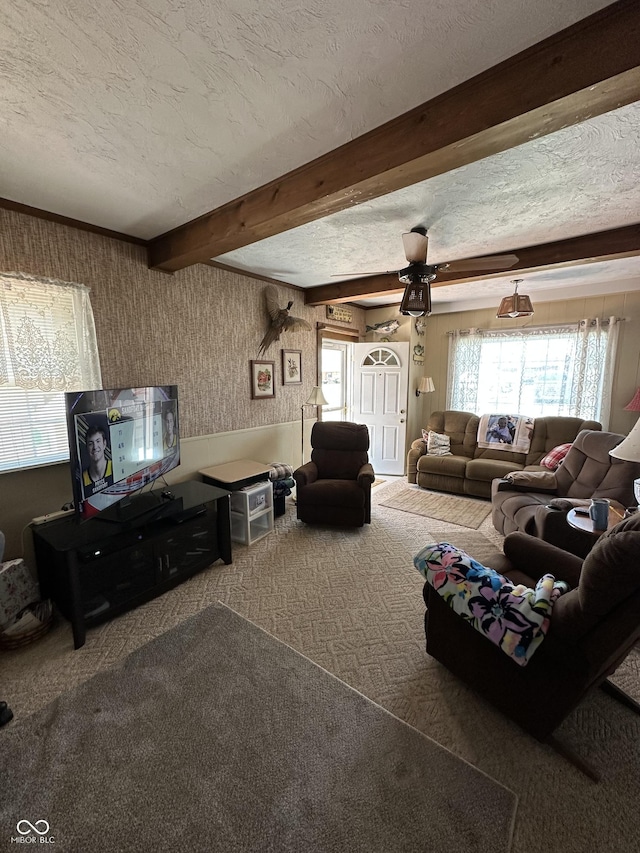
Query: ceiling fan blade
(415, 244)
(492, 262)
(363, 274)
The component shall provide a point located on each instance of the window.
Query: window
(335, 380)
(559, 370)
(382, 357)
(47, 346)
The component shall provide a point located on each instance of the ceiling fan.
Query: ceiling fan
(419, 274)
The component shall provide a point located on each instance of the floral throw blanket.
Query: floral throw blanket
(515, 618)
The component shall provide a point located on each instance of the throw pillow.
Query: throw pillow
(554, 457)
(438, 444)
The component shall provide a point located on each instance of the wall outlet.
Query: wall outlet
(50, 516)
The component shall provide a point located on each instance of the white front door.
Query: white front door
(380, 382)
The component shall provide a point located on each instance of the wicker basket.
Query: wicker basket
(43, 611)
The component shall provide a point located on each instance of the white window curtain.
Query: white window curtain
(595, 358)
(559, 370)
(463, 373)
(47, 346)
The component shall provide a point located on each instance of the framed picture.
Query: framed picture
(262, 379)
(292, 367)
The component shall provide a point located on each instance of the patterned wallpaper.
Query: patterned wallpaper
(197, 329)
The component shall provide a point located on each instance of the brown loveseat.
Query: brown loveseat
(469, 470)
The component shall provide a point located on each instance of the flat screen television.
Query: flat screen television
(120, 440)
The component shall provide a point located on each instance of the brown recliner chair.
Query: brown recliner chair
(586, 472)
(592, 629)
(334, 488)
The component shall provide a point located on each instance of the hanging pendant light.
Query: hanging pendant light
(517, 305)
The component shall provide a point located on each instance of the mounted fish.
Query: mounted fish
(280, 319)
(386, 328)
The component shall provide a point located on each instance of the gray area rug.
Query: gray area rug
(463, 511)
(218, 737)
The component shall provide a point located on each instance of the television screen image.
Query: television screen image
(120, 440)
(93, 437)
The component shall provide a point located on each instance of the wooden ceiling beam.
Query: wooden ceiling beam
(590, 248)
(583, 71)
(352, 289)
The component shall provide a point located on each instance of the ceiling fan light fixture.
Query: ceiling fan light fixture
(416, 300)
(415, 245)
(516, 305)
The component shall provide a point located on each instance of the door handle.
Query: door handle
(401, 420)
(402, 411)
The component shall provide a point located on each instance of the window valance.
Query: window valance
(47, 346)
(47, 335)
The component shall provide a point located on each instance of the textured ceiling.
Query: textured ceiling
(140, 116)
(580, 180)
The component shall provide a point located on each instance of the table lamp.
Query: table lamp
(634, 403)
(629, 448)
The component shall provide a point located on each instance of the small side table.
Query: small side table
(236, 475)
(582, 522)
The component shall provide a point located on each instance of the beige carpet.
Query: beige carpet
(225, 739)
(351, 601)
(463, 511)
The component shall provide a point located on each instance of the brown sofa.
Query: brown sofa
(470, 470)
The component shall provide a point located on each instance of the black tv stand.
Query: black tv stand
(131, 508)
(95, 571)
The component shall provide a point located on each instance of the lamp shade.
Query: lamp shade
(415, 244)
(316, 398)
(634, 404)
(629, 449)
(516, 305)
(426, 385)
